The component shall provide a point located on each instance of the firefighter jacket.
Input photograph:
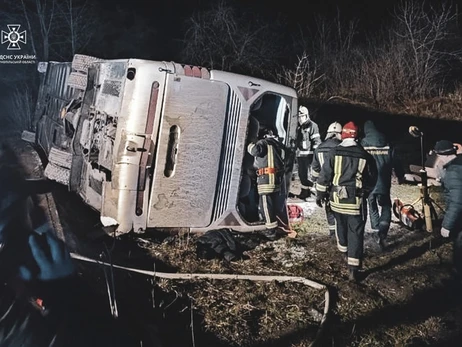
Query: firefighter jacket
(308, 139)
(385, 157)
(320, 155)
(269, 164)
(452, 183)
(348, 175)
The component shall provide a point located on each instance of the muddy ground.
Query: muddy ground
(407, 296)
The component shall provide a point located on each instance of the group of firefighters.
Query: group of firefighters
(351, 178)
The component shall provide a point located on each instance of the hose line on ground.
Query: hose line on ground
(256, 278)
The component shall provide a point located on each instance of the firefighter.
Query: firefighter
(451, 179)
(333, 139)
(379, 200)
(346, 178)
(270, 171)
(308, 139)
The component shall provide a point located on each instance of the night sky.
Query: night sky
(161, 21)
(172, 12)
(155, 29)
(168, 17)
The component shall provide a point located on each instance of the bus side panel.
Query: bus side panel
(189, 151)
(126, 197)
(53, 96)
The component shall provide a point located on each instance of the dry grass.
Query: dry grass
(402, 301)
(244, 313)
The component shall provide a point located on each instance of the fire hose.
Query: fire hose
(255, 278)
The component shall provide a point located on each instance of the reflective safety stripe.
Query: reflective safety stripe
(321, 188)
(335, 197)
(385, 150)
(336, 232)
(375, 147)
(265, 209)
(314, 174)
(348, 206)
(337, 170)
(267, 188)
(304, 152)
(341, 248)
(271, 176)
(250, 147)
(351, 212)
(321, 159)
(353, 261)
(359, 174)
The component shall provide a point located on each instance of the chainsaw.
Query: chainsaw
(407, 215)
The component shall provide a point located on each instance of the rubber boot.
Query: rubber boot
(304, 194)
(332, 233)
(270, 234)
(353, 274)
(382, 244)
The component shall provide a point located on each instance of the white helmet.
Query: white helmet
(303, 115)
(334, 130)
(334, 127)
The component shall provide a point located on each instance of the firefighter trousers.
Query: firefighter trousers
(330, 219)
(380, 213)
(304, 165)
(350, 236)
(268, 208)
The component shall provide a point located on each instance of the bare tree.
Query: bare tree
(45, 11)
(225, 39)
(332, 46)
(75, 27)
(58, 28)
(39, 17)
(409, 60)
(421, 32)
(305, 78)
(16, 13)
(21, 112)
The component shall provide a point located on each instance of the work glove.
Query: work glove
(52, 258)
(319, 201)
(445, 232)
(321, 197)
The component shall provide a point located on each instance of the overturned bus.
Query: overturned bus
(151, 144)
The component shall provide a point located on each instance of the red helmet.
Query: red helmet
(350, 130)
